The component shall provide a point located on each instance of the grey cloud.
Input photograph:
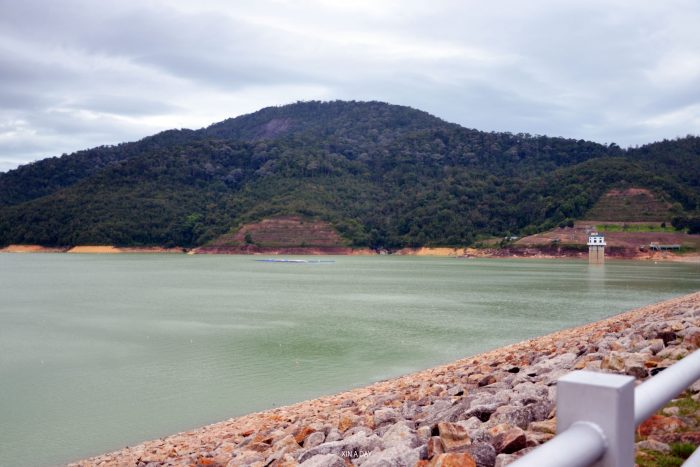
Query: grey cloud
(206, 47)
(129, 105)
(21, 100)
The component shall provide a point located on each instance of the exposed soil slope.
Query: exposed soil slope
(631, 205)
(623, 244)
(281, 235)
(32, 249)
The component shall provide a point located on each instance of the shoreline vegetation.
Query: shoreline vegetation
(456, 252)
(483, 410)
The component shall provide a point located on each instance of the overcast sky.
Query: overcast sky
(81, 73)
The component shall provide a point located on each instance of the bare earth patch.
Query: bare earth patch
(32, 249)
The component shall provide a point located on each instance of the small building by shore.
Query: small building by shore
(596, 248)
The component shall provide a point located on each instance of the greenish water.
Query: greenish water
(102, 351)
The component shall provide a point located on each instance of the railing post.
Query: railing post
(606, 401)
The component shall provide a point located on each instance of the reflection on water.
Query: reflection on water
(595, 275)
(101, 351)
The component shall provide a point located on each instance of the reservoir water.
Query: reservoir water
(102, 351)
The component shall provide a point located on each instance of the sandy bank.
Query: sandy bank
(485, 409)
(151, 249)
(694, 258)
(109, 249)
(99, 249)
(32, 249)
(451, 252)
(103, 249)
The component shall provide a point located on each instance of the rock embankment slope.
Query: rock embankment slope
(484, 410)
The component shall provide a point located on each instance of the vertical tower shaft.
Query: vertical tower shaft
(596, 248)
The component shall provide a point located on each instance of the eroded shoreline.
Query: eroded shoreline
(450, 252)
(488, 408)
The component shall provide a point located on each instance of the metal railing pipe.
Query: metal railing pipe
(599, 410)
(656, 392)
(693, 460)
(597, 413)
(580, 445)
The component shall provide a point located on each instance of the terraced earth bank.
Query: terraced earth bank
(282, 235)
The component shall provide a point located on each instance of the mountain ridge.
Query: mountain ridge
(382, 175)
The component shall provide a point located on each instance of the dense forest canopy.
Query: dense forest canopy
(384, 175)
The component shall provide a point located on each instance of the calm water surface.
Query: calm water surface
(100, 351)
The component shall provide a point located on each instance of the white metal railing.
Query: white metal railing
(597, 414)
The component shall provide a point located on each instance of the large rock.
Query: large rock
(287, 461)
(245, 458)
(653, 445)
(400, 435)
(692, 437)
(423, 433)
(300, 435)
(613, 362)
(333, 435)
(386, 415)
(435, 447)
(508, 438)
(671, 411)
(636, 342)
(347, 421)
(482, 411)
(545, 426)
(533, 438)
(636, 367)
(563, 361)
(528, 393)
(593, 366)
(486, 380)
(287, 445)
(656, 346)
(352, 447)
(258, 447)
(666, 336)
(358, 429)
(440, 412)
(625, 363)
(501, 397)
(521, 416)
(483, 454)
(396, 456)
(553, 376)
(658, 424)
(324, 460)
(695, 387)
(453, 459)
(506, 459)
(673, 352)
(422, 451)
(471, 424)
(691, 336)
(410, 410)
(454, 437)
(437, 407)
(314, 439)
(288, 442)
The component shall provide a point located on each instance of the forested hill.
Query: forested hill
(383, 175)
